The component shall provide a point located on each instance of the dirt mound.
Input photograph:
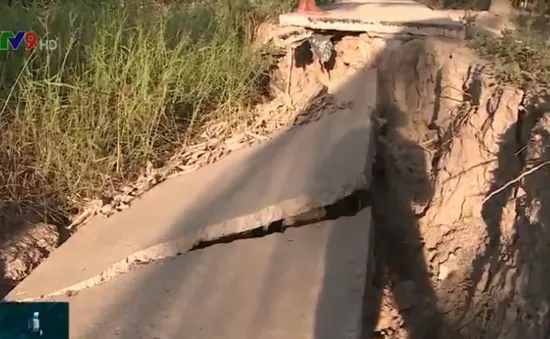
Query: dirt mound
(20, 253)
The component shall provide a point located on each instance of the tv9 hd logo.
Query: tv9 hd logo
(28, 41)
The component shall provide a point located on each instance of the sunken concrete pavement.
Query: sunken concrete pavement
(132, 275)
(375, 17)
(307, 282)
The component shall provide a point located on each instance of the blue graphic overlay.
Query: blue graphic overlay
(39, 320)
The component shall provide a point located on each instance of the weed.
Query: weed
(519, 56)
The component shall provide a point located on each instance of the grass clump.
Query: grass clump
(128, 83)
(521, 56)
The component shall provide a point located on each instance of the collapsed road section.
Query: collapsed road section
(280, 285)
(258, 246)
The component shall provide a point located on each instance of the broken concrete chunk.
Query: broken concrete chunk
(305, 283)
(405, 17)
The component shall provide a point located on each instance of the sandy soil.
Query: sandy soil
(473, 243)
(24, 249)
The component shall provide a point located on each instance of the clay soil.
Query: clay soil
(461, 191)
(462, 239)
(24, 244)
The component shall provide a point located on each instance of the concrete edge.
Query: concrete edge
(367, 276)
(457, 31)
(286, 209)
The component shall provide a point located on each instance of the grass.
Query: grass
(519, 57)
(128, 83)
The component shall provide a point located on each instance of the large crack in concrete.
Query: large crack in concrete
(347, 206)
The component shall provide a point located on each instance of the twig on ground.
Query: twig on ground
(513, 181)
(290, 66)
(521, 150)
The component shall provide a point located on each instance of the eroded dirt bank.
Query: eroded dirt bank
(462, 238)
(460, 192)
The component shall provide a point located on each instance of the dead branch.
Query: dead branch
(513, 181)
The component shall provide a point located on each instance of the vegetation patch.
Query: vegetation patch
(520, 56)
(129, 84)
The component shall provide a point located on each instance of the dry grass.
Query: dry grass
(129, 85)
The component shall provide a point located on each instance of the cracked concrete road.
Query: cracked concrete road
(307, 282)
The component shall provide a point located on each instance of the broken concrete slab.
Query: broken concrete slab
(387, 17)
(300, 169)
(484, 23)
(307, 282)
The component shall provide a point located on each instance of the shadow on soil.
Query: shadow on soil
(514, 267)
(400, 266)
(28, 237)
